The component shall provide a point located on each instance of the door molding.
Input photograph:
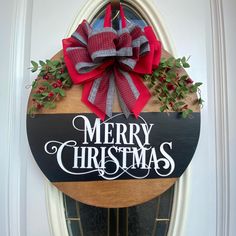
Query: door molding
(219, 80)
(15, 137)
(16, 184)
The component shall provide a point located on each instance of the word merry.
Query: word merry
(114, 133)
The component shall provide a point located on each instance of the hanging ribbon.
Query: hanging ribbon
(108, 62)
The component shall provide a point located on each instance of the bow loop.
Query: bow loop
(101, 44)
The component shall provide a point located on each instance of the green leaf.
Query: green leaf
(170, 62)
(183, 60)
(45, 94)
(181, 84)
(34, 70)
(42, 73)
(42, 63)
(178, 90)
(58, 76)
(146, 77)
(179, 104)
(38, 96)
(163, 108)
(165, 89)
(34, 64)
(68, 83)
(185, 114)
(171, 74)
(200, 101)
(193, 89)
(163, 60)
(50, 64)
(197, 84)
(50, 105)
(32, 110)
(156, 73)
(65, 76)
(62, 93)
(183, 77)
(56, 90)
(178, 63)
(186, 65)
(59, 91)
(55, 63)
(47, 85)
(34, 84)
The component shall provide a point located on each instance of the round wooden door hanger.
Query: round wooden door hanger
(107, 149)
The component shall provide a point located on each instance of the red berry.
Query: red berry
(46, 77)
(170, 87)
(171, 104)
(189, 81)
(59, 83)
(162, 79)
(39, 106)
(41, 88)
(51, 94)
(33, 100)
(55, 85)
(38, 91)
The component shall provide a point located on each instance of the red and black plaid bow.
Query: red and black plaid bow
(109, 62)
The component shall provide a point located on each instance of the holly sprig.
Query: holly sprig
(50, 85)
(170, 86)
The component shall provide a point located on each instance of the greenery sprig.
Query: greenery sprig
(50, 85)
(170, 86)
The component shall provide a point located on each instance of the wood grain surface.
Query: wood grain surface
(119, 193)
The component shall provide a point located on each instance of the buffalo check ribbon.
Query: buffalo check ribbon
(109, 62)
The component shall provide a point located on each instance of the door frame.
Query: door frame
(15, 151)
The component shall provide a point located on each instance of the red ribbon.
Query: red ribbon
(108, 61)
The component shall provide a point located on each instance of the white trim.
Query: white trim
(145, 7)
(18, 77)
(178, 214)
(219, 81)
(56, 211)
(15, 196)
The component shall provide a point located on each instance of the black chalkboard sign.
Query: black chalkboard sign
(81, 147)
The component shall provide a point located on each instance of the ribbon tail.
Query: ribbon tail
(144, 97)
(110, 96)
(85, 99)
(123, 106)
(133, 94)
(99, 95)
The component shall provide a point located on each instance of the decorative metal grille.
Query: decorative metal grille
(149, 219)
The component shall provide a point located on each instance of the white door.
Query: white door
(204, 203)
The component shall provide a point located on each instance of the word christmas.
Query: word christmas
(112, 149)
